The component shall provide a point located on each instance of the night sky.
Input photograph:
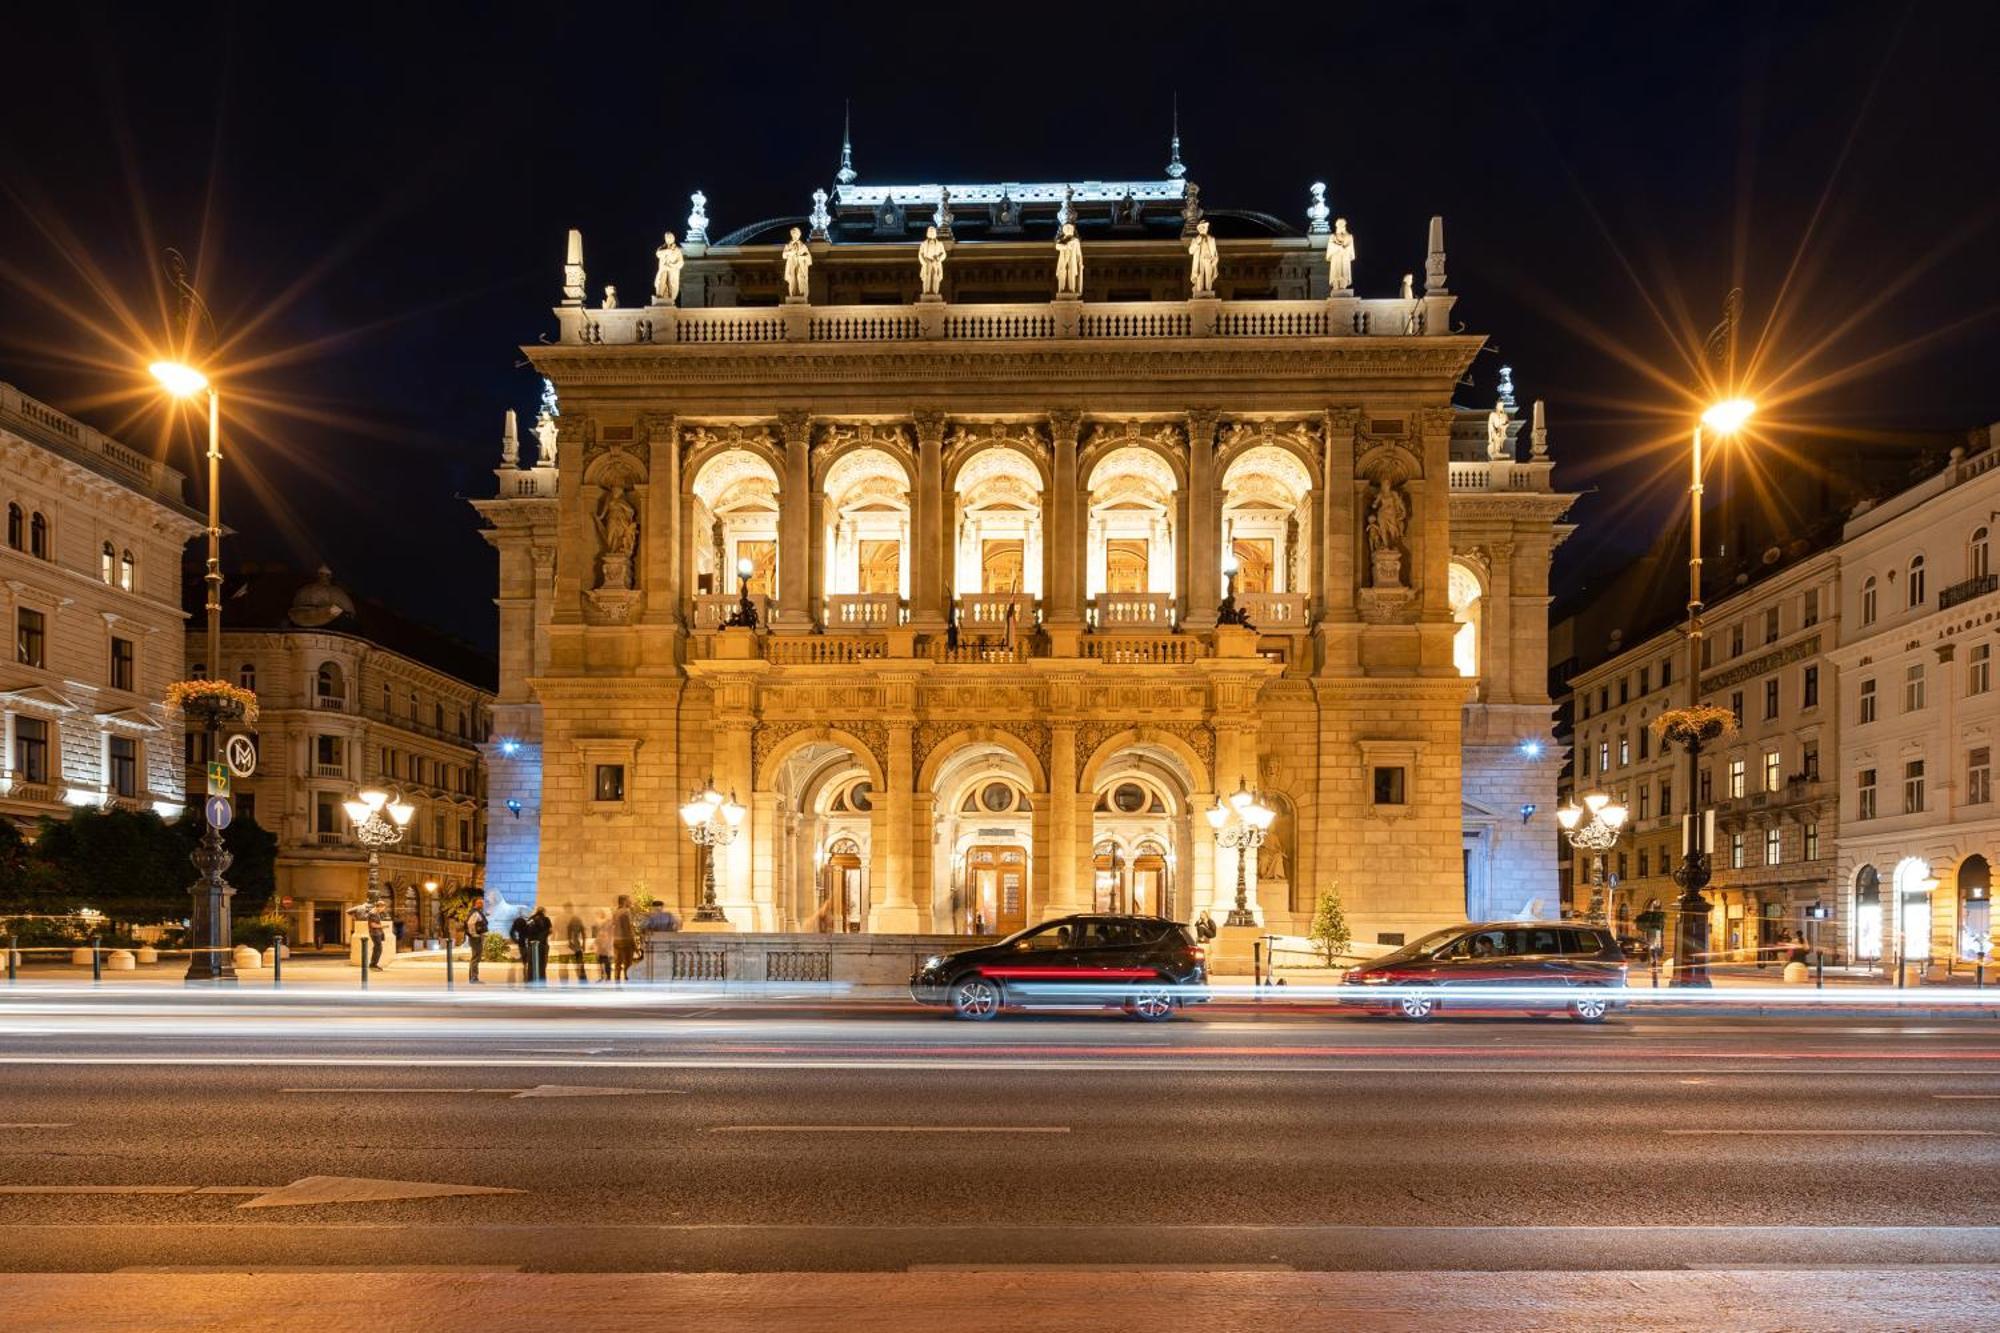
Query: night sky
(375, 201)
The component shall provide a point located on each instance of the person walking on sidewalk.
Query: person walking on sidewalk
(601, 932)
(475, 938)
(579, 945)
(538, 930)
(376, 935)
(624, 938)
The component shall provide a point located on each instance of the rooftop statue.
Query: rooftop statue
(798, 263)
(697, 230)
(1409, 287)
(1316, 211)
(1496, 432)
(667, 276)
(1069, 262)
(1201, 255)
(610, 296)
(930, 262)
(1340, 258)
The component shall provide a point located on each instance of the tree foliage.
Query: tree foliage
(128, 864)
(1329, 932)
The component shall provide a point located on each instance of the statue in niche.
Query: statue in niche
(1271, 862)
(1069, 262)
(930, 262)
(1496, 432)
(1201, 257)
(798, 263)
(618, 531)
(1388, 513)
(667, 274)
(1340, 258)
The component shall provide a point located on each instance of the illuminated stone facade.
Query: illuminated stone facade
(986, 538)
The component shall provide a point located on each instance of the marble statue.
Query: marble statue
(1387, 513)
(545, 438)
(798, 263)
(1409, 287)
(1201, 255)
(1340, 258)
(697, 228)
(618, 527)
(930, 262)
(667, 275)
(610, 296)
(1069, 262)
(1271, 862)
(1316, 211)
(1496, 432)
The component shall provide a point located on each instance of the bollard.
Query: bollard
(96, 961)
(13, 948)
(447, 957)
(277, 961)
(364, 962)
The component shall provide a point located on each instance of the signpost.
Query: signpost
(218, 779)
(240, 753)
(218, 812)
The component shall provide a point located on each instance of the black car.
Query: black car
(1145, 965)
(1532, 965)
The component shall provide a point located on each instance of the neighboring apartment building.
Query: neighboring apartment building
(354, 695)
(1764, 657)
(90, 578)
(1920, 720)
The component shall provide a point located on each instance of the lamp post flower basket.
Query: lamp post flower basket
(1694, 726)
(213, 701)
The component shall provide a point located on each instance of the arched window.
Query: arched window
(1978, 555)
(464, 727)
(1465, 591)
(1916, 583)
(38, 536)
(107, 563)
(331, 685)
(128, 571)
(14, 522)
(437, 717)
(1868, 600)
(246, 676)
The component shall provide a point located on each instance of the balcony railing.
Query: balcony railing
(336, 703)
(712, 610)
(330, 839)
(1275, 612)
(1143, 612)
(851, 612)
(1967, 589)
(989, 612)
(329, 770)
(1132, 650)
(824, 649)
(979, 653)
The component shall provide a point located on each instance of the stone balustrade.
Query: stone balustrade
(987, 612)
(712, 610)
(824, 649)
(1147, 612)
(1275, 612)
(1154, 650)
(851, 611)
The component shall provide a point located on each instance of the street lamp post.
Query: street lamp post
(1241, 824)
(745, 614)
(366, 811)
(1229, 612)
(712, 822)
(1691, 920)
(1600, 835)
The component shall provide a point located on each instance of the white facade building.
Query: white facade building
(90, 572)
(1920, 720)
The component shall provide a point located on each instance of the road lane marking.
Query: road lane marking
(39, 1124)
(1967, 1096)
(887, 1129)
(98, 1189)
(1881, 1133)
(512, 1094)
(306, 1191)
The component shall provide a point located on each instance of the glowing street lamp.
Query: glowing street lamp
(1241, 824)
(745, 614)
(1597, 835)
(366, 811)
(1725, 418)
(1229, 613)
(712, 822)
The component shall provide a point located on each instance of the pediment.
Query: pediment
(129, 719)
(39, 696)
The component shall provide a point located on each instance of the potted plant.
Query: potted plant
(1694, 726)
(213, 701)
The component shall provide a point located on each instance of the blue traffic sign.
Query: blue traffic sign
(218, 812)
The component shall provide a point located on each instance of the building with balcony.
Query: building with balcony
(1920, 618)
(977, 597)
(90, 590)
(1765, 657)
(353, 695)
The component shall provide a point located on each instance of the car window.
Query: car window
(1104, 935)
(1538, 941)
(1047, 939)
(1485, 944)
(1583, 942)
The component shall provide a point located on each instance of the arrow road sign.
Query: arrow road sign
(218, 812)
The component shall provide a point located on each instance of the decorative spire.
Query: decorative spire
(1434, 261)
(1507, 386)
(697, 228)
(573, 283)
(1538, 433)
(846, 175)
(820, 218)
(1175, 167)
(510, 441)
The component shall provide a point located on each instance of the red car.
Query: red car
(1537, 966)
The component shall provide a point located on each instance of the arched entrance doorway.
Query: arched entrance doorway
(1867, 915)
(823, 802)
(983, 840)
(1140, 833)
(1913, 885)
(1975, 907)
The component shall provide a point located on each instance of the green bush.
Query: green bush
(497, 949)
(259, 932)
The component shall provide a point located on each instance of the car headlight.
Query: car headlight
(932, 963)
(1373, 979)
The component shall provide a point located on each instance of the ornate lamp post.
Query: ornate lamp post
(1691, 923)
(1600, 835)
(745, 614)
(1241, 824)
(712, 822)
(1229, 613)
(366, 811)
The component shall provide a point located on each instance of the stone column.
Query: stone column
(735, 865)
(923, 861)
(660, 537)
(766, 835)
(927, 504)
(1202, 533)
(1062, 852)
(1496, 627)
(1063, 574)
(1336, 544)
(1201, 856)
(1430, 503)
(795, 532)
(893, 910)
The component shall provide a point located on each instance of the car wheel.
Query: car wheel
(1154, 1004)
(975, 998)
(1416, 1006)
(1589, 1009)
